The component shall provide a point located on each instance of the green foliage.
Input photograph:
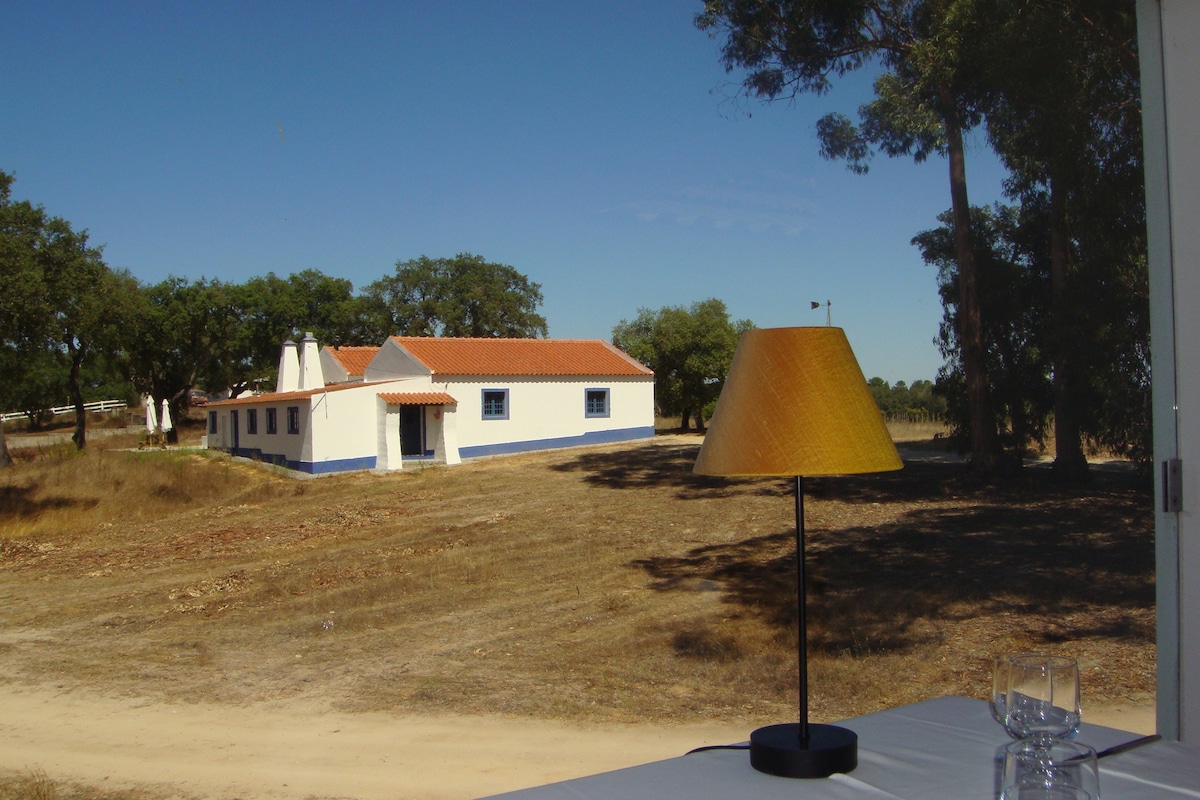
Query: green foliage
(1065, 121)
(34, 382)
(61, 303)
(460, 296)
(178, 330)
(689, 349)
(1013, 271)
(270, 310)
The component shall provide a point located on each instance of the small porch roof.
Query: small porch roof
(418, 398)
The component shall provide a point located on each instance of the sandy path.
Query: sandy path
(288, 751)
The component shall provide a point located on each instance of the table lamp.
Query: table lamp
(796, 403)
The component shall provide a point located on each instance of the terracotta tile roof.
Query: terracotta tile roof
(417, 398)
(449, 356)
(353, 359)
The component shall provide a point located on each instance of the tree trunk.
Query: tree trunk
(985, 444)
(1069, 460)
(76, 395)
(5, 458)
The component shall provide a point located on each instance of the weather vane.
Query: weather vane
(828, 311)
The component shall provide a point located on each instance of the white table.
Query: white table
(943, 749)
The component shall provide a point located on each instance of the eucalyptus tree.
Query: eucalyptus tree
(1013, 263)
(1065, 119)
(926, 99)
(460, 296)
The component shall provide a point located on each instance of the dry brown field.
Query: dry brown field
(604, 584)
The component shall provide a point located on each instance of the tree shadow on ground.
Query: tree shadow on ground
(17, 502)
(661, 466)
(960, 547)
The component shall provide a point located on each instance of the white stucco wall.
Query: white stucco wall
(550, 413)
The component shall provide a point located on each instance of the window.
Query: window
(272, 420)
(252, 420)
(212, 422)
(495, 403)
(595, 402)
(293, 419)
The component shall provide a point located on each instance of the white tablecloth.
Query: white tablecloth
(934, 750)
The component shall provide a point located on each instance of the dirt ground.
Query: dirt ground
(294, 750)
(208, 628)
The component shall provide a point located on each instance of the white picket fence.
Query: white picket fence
(98, 406)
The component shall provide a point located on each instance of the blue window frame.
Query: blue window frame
(495, 403)
(272, 420)
(293, 413)
(252, 420)
(595, 402)
(212, 422)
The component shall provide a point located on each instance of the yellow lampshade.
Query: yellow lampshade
(796, 403)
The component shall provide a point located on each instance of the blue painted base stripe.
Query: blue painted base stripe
(504, 448)
(309, 467)
(595, 437)
(338, 465)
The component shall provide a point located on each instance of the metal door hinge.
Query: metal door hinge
(1172, 471)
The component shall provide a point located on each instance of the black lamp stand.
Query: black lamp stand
(803, 750)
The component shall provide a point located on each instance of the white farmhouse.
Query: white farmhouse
(440, 400)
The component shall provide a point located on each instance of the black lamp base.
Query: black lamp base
(776, 750)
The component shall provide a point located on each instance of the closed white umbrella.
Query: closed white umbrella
(151, 417)
(166, 417)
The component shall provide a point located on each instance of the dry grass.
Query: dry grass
(928, 434)
(36, 785)
(604, 584)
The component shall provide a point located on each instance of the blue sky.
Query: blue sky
(592, 146)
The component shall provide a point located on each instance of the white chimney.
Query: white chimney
(289, 369)
(311, 376)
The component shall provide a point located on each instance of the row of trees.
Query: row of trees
(901, 401)
(1046, 303)
(74, 329)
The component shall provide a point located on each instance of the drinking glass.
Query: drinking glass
(1058, 763)
(1042, 701)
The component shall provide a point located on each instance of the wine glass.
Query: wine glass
(1042, 698)
(1057, 763)
(1000, 684)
